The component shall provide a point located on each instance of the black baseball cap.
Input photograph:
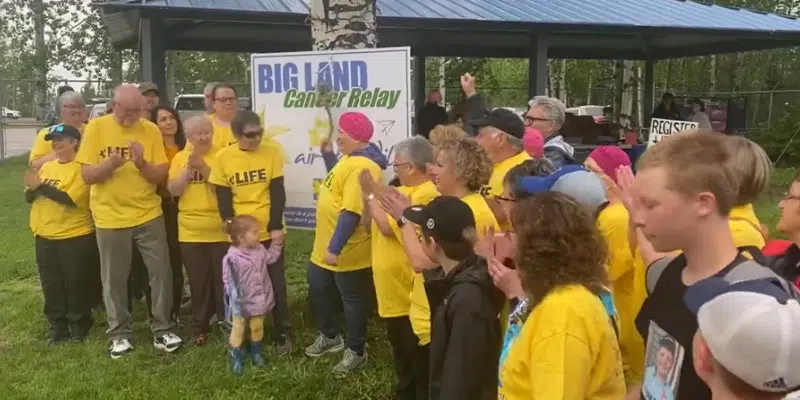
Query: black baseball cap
(502, 119)
(62, 130)
(445, 218)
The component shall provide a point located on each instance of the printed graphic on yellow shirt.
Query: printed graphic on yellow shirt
(248, 177)
(341, 191)
(52, 220)
(127, 198)
(198, 212)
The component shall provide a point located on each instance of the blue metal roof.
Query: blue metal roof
(637, 13)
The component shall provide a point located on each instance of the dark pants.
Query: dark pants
(204, 270)
(137, 283)
(65, 270)
(175, 260)
(410, 360)
(282, 326)
(355, 290)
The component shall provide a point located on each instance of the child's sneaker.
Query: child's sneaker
(237, 361)
(120, 348)
(257, 355)
(324, 345)
(350, 362)
(168, 342)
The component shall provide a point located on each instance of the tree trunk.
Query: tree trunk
(628, 96)
(562, 79)
(619, 87)
(170, 89)
(343, 24)
(40, 65)
(713, 82)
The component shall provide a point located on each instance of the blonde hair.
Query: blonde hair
(470, 160)
(442, 133)
(696, 162)
(752, 167)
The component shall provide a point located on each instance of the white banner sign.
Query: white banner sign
(375, 82)
(661, 128)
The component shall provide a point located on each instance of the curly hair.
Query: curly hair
(470, 161)
(442, 133)
(557, 244)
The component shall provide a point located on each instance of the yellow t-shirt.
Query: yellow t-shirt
(495, 186)
(613, 225)
(566, 350)
(341, 191)
(52, 220)
(171, 151)
(43, 147)
(126, 199)
(248, 174)
(198, 214)
(745, 227)
(391, 268)
(222, 136)
(484, 217)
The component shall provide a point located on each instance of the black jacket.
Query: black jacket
(787, 265)
(465, 332)
(428, 117)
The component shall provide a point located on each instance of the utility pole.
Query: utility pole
(40, 65)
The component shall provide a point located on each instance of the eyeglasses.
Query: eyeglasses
(501, 198)
(253, 134)
(789, 196)
(225, 99)
(531, 120)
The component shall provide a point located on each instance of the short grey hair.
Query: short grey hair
(418, 150)
(69, 97)
(554, 107)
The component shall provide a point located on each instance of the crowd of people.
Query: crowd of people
(502, 268)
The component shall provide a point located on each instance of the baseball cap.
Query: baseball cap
(62, 130)
(502, 119)
(445, 218)
(751, 328)
(145, 87)
(574, 181)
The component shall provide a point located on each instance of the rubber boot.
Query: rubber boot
(237, 360)
(256, 352)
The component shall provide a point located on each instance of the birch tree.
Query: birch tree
(341, 24)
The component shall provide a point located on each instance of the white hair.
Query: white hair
(554, 108)
(418, 150)
(68, 97)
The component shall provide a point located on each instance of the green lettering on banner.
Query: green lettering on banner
(360, 98)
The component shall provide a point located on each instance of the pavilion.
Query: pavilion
(648, 30)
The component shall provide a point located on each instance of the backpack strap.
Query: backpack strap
(755, 254)
(608, 303)
(654, 272)
(751, 270)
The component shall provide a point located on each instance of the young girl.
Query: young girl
(248, 288)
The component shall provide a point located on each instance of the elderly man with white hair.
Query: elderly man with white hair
(124, 161)
(547, 114)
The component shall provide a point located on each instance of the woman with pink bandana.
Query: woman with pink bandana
(339, 271)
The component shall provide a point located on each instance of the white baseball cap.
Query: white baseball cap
(752, 328)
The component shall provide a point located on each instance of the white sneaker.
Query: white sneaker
(168, 342)
(119, 348)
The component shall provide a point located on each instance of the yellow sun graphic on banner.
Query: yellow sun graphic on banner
(320, 132)
(271, 132)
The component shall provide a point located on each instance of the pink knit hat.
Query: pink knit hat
(356, 125)
(609, 158)
(533, 142)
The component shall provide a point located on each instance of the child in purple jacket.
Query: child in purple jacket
(248, 289)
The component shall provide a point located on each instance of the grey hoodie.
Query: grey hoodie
(558, 151)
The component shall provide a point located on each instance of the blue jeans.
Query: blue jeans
(353, 289)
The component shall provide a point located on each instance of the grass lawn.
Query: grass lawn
(33, 370)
